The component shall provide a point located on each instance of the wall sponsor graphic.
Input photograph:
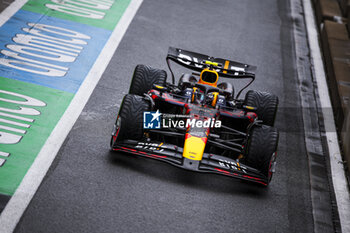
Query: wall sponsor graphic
(28, 114)
(98, 13)
(47, 51)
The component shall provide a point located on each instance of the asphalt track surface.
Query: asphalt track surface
(90, 189)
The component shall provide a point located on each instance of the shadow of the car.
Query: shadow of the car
(203, 181)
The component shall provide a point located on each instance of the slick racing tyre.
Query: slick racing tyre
(265, 103)
(262, 147)
(129, 123)
(144, 77)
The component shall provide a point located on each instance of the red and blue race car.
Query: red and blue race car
(199, 124)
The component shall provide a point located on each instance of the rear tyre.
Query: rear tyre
(144, 77)
(265, 103)
(129, 123)
(262, 147)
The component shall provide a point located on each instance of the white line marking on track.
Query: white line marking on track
(30, 183)
(337, 169)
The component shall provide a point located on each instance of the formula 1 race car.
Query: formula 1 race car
(198, 124)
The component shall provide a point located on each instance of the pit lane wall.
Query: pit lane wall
(333, 21)
(46, 50)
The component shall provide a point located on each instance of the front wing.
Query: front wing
(210, 163)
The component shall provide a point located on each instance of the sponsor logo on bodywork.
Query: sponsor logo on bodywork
(151, 146)
(232, 165)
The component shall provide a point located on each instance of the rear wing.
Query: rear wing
(197, 62)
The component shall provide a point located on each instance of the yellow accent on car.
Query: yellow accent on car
(226, 67)
(159, 87)
(194, 148)
(158, 147)
(211, 63)
(249, 107)
(201, 81)
(215, 98)
(193, 93)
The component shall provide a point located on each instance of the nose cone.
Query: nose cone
(194, 147)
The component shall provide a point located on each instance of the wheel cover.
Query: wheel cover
(272, 166)
(115, 132)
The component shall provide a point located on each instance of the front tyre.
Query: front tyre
(262, 147)
(265, 103)
(129, 123)
(144, 77)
